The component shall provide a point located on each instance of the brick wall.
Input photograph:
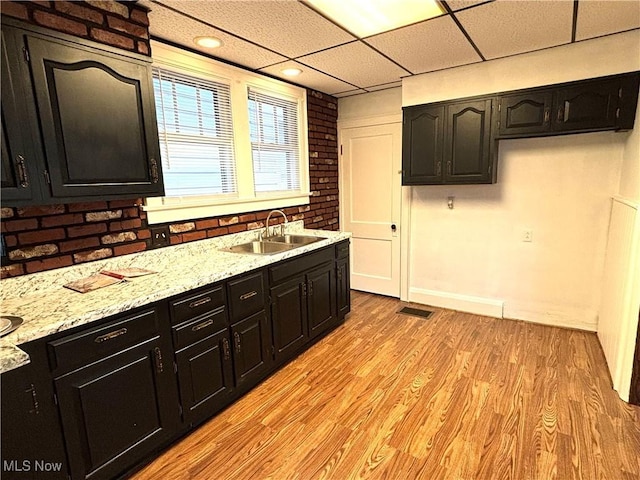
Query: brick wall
(47, 237)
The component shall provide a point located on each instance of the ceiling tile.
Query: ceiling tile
(309, 77)
(355, 63)
(504, 27)
(597, 18)
(408, 45)
(456, 5)
(167, 25)
(287, 27)
(384, 86)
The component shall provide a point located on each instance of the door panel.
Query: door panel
(422, 137)
(321, 299)
(288, 317)
(522, 114)
(250, 339)
(371, 190)
(588, 106)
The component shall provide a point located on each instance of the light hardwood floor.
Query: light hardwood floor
(456, 396)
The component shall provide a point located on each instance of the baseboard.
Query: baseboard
(455, 301)
(579, 319)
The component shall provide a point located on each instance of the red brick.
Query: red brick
(130, 224)
(79, 244)
(111, 38)
(76, 10)
(205, 224)
(140, 16)
(143, 47)
(132, 212)
(40, 210)
(41, 236)
(237, 228)
(13, 9)
(127, 27)
(124, 203)
(175, 239)
(87, 206)
(14, 270)
(142, 234)
(86, 230)
(10, 240)
(49, 264)
(110, 6)
(216, 232)
(42, 3)
(57, 220)
(192, 236)
(130, 248)
(59, 23)
(247, 218)
(20, 225)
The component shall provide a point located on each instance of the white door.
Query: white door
(370, 195)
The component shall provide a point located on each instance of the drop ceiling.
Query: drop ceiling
(270, 35)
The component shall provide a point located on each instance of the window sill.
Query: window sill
(162, 210)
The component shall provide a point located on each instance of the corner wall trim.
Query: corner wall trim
(465, 303)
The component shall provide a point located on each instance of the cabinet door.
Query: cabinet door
(525, 114)
(468, 142)
(589, 106)
(116, 411)
(205, 376)
(19, 151)
(321, 299)
(344, 287)
(288, 317)
(98, 120)
(251, 349)
(422, 137)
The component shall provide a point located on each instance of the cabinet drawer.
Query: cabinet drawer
(246, 296)
(99, 342)
(298, 265)
(196, 304)
(342, 250)
(199, 328)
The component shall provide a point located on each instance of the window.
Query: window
(231, 141)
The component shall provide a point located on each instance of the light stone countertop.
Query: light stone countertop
(47, 307)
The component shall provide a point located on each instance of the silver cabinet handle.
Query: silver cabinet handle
(110, 335)
(22, 171)
(246, 296)
(198, 303)
(202, 325)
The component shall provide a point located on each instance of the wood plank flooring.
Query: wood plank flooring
(455, 396)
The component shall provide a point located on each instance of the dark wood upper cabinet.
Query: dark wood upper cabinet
(524, 114)
(591, 106)
(91, 111)
(468, 142)
(422, 138)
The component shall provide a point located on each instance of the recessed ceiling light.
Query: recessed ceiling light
(364, 18)
(291, 72)
(208, 42)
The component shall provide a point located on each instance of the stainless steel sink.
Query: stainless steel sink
(262, 248)
(297, 240)
(277, 244)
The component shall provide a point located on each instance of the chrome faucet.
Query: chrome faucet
(266, 228)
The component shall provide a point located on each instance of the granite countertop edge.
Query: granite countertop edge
(47, 307)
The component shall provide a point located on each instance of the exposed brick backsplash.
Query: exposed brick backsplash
(119, 24)
(41, 238)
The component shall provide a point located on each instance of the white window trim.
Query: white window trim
(172, 209)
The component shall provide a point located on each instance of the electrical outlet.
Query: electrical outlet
(159, 236)
(527, 236)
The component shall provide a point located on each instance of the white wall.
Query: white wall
(362, 107)
(473, 257)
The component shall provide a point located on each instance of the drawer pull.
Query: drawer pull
(198, 303)
(236, 339)
(202, 325)
(110, 335)
(225, 349)
(246, 296)
(158, 359)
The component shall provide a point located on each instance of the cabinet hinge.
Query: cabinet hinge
(273, 351)
(498, 123)
(500, 107)
(55, 399)
(340, 149)
(175, 367)
(47, 177)
(620, 92)
(180, 409)
(25, 53)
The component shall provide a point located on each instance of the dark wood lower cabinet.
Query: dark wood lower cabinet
(321, 299)
(205, 377)
(251, 339)
(344, 287)
(288, 317)
(116, 411)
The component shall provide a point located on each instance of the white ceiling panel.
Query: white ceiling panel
(355, 63)
(408, 45)
(460, 4)
(349, 93)
(384, 86)
(309, 77)
(285, 26)
(597, 18)
(163, 24)
(504, 27)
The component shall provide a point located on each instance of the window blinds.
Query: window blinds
(275, 145)
(196, 134)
